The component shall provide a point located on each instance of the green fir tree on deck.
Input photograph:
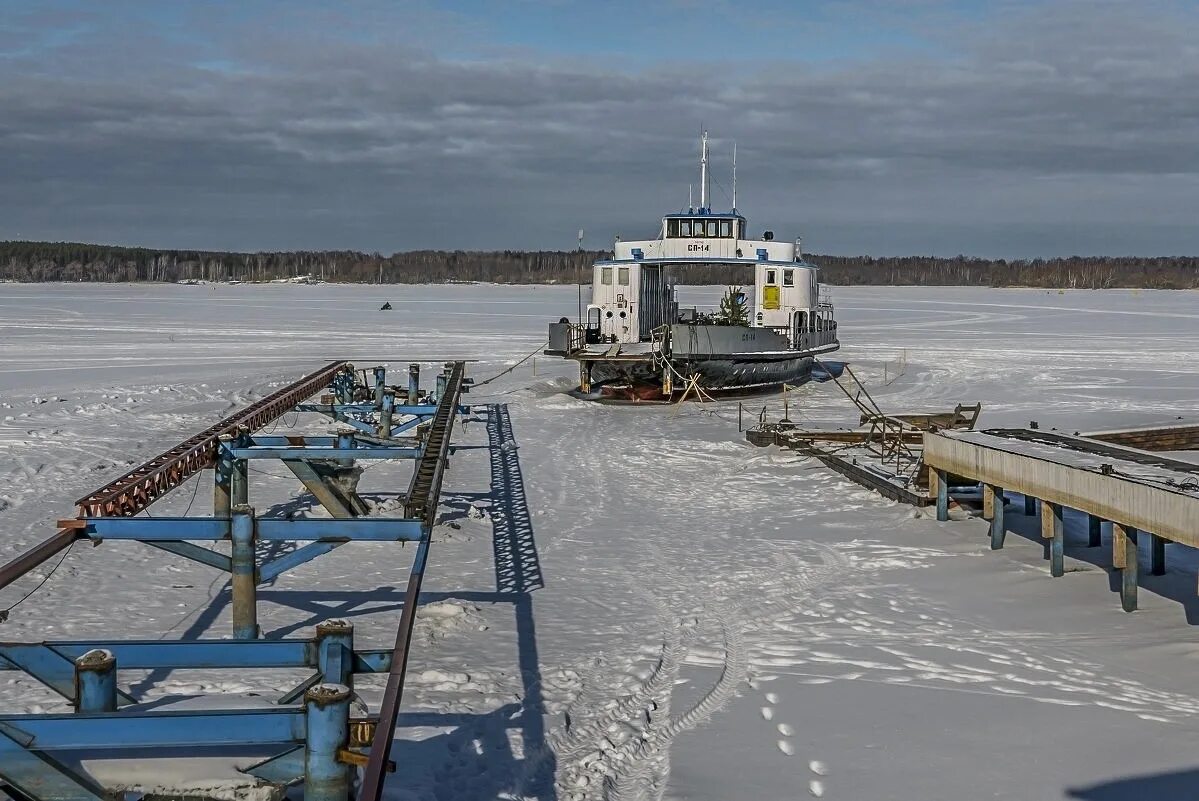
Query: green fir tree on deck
(733, 309)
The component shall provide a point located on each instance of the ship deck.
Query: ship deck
(611, 352)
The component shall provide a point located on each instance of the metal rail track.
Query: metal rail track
(423, 495)
(140, 487)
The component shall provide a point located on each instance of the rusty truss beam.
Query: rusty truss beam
(140, 487)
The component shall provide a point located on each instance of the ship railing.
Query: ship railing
(813, 339)
(567, 337)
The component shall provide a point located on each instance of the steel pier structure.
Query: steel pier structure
(309, 732)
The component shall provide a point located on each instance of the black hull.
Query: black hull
(729, 374)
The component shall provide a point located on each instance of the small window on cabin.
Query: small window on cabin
(623, 277)
(697, 228)
(741, 229)
(711, 228)
(771, 277)
(607, 276)
(788, 277)
(726, 229)
(672, 228)
(684, 227)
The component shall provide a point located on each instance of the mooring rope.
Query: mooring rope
(513, 367)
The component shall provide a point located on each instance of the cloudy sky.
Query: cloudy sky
(996, 128)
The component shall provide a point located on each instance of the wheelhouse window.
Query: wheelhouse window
(672, 228)
(772, 277)
(712, 228)
(684, 227)
(741, 229)
(788, 277)
(697, 228)
(726, 229)
(622, 277)
(606, 276)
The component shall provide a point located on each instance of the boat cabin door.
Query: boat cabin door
(591, 332)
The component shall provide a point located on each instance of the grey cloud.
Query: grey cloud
(1086, 119)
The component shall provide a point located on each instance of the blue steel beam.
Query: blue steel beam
(48, 657)
(299, 556)
(171, 654)
(319, 452)
(197, 554)
(40, 776)
(50, 666)
(159, 529)
(152, 729)
(277, 441)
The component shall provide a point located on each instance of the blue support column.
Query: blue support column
(222, 490)
(942, 481)
(335, 652)
(385, 412)
(998, 529)
(245, 585)
(239, 474)
(1157, 555)
(413, 384)
(345, 441)
(1094, 531)
(1057, 539)
(1125, 556)
(96, 682)
(380, 384)
(327, 710)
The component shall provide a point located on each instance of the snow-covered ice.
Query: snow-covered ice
(717, 621)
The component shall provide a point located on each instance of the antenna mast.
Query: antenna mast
(703, 171)
(734, 177)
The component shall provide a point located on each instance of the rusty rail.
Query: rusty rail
(423, 495)
(137, 489)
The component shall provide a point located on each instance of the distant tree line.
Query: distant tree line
(60, 261)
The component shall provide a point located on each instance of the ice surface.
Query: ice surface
(717, 621)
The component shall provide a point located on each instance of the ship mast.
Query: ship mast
(703, 171)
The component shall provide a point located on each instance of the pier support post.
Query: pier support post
(327, 710)
(244, 580)
(380, 384)
(239, 477)
(335, 652)
(1030, 505)
(385, 412)
(1157, 555)
(1094, 532)
(96, 682)
(443, 379)
(1124, 557)
(1053, 531)
(988, 501)
(222, 488)
(998, 529)
(939, 481)
(413, 384)
(345, 441)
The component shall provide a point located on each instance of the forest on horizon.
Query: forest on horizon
(62, 261)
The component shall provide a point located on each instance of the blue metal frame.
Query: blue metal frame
(314, 734)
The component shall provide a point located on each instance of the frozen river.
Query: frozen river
(702, 619)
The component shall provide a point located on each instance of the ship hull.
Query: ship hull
(720, 358)
(735, 373)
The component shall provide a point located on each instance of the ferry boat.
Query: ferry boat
(635, 343)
